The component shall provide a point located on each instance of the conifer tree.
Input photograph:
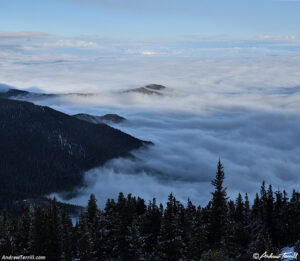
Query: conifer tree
(53, 242)
(197, 241)
(135, 242)
(263, 205)
(241, 235)
(270, 211)
(66, 236)
(112, 227)
(38, 231)
(84, 240)
(92, 209)
(280, 219)
(151, 228)
(218, 213)
(293, 217)
(170, 244)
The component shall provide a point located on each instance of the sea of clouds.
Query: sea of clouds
(239, 104)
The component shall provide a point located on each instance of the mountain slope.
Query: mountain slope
(43, 150)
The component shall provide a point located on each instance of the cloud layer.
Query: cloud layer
(239, 102)
(253, 145)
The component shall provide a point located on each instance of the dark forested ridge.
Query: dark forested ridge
(130, 230)
(43, 150)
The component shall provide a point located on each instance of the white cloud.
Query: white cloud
(279, 37)
(147, 52)
(73, 44)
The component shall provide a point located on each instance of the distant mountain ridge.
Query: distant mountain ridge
(107, 118)
(9, 92)
(44, 151)
(26, 95)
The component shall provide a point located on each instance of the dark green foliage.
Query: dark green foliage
(92, 209)
(53, 231)
(128, 230)
(66, 236)
(151, 223)
(218, 212)
(171, 245)
(38, 231)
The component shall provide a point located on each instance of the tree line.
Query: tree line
(129, 229)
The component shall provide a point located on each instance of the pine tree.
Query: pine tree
(66, 236)
(38, 231)
(135, 242)
(150, 228)
(112, 228)
(270, 212)
(170, 243)
(53, 242)
(280, 218)
(229, 240)
(293, 217)
(197, 240)
(92, 209)
(218, 214)
(247, 206)
(241, 235)
(84, 240)
(263, 205)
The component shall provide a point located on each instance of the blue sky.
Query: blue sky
(141, 19)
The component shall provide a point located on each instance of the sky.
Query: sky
(143, 19)
(231, 69)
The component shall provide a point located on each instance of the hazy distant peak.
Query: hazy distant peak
(115, 118)
(149, 89)
(5, 87)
